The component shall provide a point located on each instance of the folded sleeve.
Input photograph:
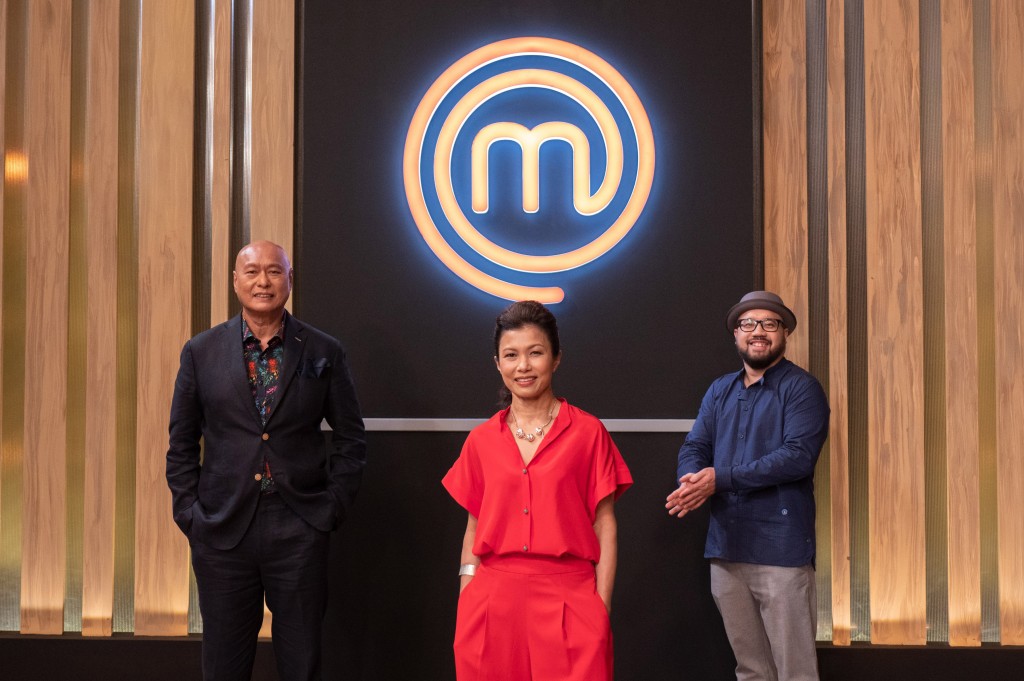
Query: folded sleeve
(464, 481)
(610, 473)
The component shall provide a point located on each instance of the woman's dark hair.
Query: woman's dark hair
(525, 313)
(516, 316)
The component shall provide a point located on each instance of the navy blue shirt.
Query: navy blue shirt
(763, 442)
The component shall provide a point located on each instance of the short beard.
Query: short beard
(766, 361)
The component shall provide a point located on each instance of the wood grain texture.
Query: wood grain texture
(221, 257)
(838, 439)
(164, 209)
(273, 135)
(961, 324)
(785, 167)
(1008, 225)
(47, 135)
(273, 122)
(99, 178)
(895, 324)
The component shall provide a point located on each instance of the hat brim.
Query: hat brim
(788, 318)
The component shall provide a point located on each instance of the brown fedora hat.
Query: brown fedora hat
(761, 300)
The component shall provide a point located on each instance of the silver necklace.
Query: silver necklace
(538, 431)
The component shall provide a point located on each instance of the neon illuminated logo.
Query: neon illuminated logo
(578, 128)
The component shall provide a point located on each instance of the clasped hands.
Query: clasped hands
(694, 489)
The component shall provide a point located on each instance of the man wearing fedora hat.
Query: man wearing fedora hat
(751, 456)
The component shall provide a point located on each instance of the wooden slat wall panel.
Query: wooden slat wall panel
(785, 176)
(99, 177)
(164, 205)
(13, 350)
(1008, 223)
(961, 324)
(5, 562)
(47, 142)
(221, 257)
(273, 121)
(895, 364)
(273, 134)
(838, 446)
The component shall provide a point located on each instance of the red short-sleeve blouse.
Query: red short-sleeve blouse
(546, 507)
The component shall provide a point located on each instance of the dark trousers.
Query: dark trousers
(283, 558)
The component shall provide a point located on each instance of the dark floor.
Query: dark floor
(125, 658)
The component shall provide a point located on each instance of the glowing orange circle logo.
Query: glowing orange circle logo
(440, 155)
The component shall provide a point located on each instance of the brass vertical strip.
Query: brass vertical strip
(857, 357)
(47, 129)
(964, 529)
(202, 206)
(127, 318)
(202, 162)
(241, 110)
(990, 629)
(1007, 50)
(13, 331)
(932, 222)
(221, 254)
(97, 399)
(757, 97)
(77, 311)
(817, 320)
(838, 439)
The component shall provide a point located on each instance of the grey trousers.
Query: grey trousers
(771, 618)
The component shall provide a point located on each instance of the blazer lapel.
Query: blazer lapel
(238, 373)
(294, 347)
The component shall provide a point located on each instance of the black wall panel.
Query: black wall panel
(642, 328)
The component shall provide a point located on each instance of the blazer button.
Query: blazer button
(265, 436)
(258, 477)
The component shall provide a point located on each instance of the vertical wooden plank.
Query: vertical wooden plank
(221, 257)
(13, 330)
(273, 121)
(164, 209)
(785, 168)
(9, 558)
(273, 134)
(961, 316)
(99, 179)
(47, 142)
(1008, 219)
(895, 325)
(838, 439)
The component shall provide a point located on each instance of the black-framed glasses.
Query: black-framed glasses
(747, 325)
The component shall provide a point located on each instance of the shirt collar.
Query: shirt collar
(769, 377)
(279, 334)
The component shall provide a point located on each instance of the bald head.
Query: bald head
(261, 247)
(262, 281)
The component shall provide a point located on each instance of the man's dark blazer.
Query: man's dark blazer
(214, 502)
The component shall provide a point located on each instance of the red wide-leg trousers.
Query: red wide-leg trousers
(532, 618)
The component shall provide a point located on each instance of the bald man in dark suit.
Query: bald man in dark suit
(258, 497)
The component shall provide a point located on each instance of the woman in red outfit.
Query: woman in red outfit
(539, 480)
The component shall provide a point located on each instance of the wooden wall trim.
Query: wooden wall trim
(785, 178)
(1008, 217)
(164, 196)
(838, 444)
(895, 357)
(99, 181)
(47, 144)
(961, 324)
